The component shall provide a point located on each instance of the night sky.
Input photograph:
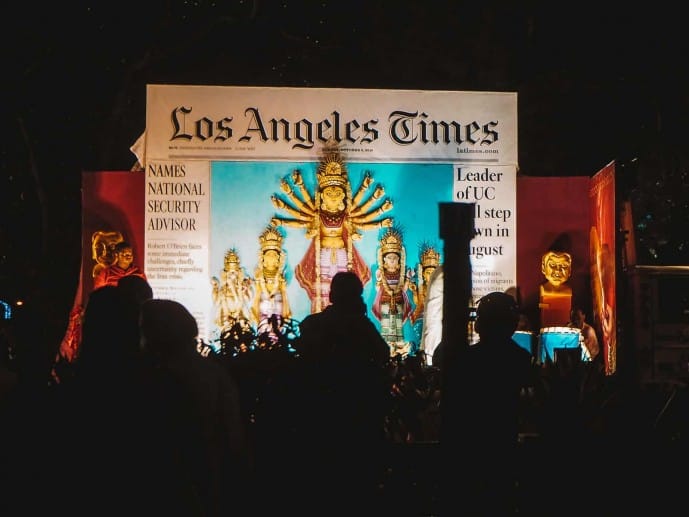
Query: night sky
(593, 86)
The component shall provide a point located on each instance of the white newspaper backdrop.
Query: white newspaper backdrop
(264, 123)
(492, 189)
(187, 127)
(177, 234)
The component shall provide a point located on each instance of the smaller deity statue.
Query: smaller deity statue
(391, 305)
(555, 299)
(232, 293)
(270, 306)
(429, 260)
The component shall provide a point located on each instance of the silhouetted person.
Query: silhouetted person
(121, 269)
(134, 290)
(577, 320)
(110, 333)
(105, 425)
(480, 436)
(198, 403)
(345, 363)
(27, 414)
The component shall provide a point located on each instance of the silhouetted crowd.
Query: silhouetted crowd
(150, 421)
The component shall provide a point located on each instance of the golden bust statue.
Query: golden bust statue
(103, 249)
(555, 299)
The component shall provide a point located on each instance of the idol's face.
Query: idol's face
(125, 258)
(332, 199)
(427, 274)
(391, 262)
(557, 268)
(271, 260)
(231, 265)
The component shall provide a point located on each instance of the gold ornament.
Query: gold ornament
(271, 239)
(429, 257)
(103, 249)
(231, 260)
(332, 172)
(391, 242)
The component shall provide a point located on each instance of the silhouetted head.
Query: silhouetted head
(577, 317)
(497, 315)
(106, 329)
(135, 289)
(167, 326)
(345, 288)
